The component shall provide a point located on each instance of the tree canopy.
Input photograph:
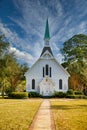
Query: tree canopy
(75, 57)
(11, 72)
(75, 49)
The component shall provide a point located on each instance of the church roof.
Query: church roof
(47, 34)
(46, 48)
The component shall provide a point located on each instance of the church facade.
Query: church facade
(46, 76)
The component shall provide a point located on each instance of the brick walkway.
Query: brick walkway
(43, 119)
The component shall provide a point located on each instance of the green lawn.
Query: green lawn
(17, 114)
(70, 114)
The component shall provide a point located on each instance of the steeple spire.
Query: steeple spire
(47, 34)
(46, 48)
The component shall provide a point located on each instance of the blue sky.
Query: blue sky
(23, 23)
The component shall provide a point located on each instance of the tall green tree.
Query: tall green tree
(75, 49)
(4, 46)
(11, 72)
(75, 57)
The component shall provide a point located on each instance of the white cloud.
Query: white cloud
(33, 13)
(23, 56)
(54, 46)
(60, 57)
(37, 48)
(13, 37)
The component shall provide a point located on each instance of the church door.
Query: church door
(46, 88)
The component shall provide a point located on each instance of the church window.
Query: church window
(46, 69)
(33, 83)
(50, 72)
(60, 84)
(43, 71)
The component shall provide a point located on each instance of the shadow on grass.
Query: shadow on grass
(65, 107)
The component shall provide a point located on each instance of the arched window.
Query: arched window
(60, 84)
(43, 71)
(46, 69)
(50, 72)
(33, 83)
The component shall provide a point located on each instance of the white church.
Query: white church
(46, 76)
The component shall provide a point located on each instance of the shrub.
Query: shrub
(70, 92)
(85, 91)
(70, 96)
(59, 94)
(80, 97)
(76, 96)
(8, 90)
(78, 92)
(34, 94)
(18, 95)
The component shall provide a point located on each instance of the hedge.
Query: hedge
(76, 96)
(34, 95)
(78, 93)
(59, 94)
(70, 92)
(18, 95)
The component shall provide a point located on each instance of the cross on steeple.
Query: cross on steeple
(47, 34)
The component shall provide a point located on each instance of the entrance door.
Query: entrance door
(46, 87)
(46, 92)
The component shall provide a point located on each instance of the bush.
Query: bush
(78, 93)
(59, 94)
(18, 95)
(85, 91)
(8, 90)
(70, 92)
(81, 97)
(34, 95)
(76, 96)
(70, 96)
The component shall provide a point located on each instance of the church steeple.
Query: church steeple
(47, 34)
(46, 40)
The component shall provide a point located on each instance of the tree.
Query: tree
(11, 72)
(3, 46)
(3, 50)
(75, 49)
(75, 57)
(76, 74)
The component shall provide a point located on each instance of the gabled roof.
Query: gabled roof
(46, 48)
(62, 67)
(65, 71)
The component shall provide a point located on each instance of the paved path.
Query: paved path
(43, 119)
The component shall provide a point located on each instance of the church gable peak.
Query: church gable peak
(46, 49)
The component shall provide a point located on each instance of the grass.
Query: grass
(17, 114)
(70, 114)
